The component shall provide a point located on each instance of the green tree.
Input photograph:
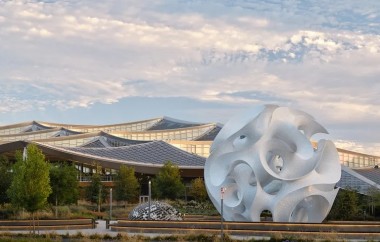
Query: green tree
(5, 179)
(30, 185)
(127, 187)
(64, 184)
(96, 192)
(373, 200)
(167, 183)
(346, 205)
(198, 190)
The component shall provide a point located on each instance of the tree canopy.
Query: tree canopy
(5, 179)
(198, 190)
(30, 186)
(64, 184)
(167, 183)
(96, 192)
(127, 187)
(346, 205)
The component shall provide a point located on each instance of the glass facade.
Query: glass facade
(11, 131)
(170, 134)
(201, 148)
(30, 135)
(130, 127)
(357, 160)
(68, 142)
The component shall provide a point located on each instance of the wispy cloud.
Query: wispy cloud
(319, 56)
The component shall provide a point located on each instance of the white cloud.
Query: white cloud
(361, 147)
(322, 57)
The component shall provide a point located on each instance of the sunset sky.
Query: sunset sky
(102, 62)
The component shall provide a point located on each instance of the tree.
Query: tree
(5, 179)
(373, 200)
(30, 186)
(127, 187)
(96, 192)
(167, 183)
(345, 206)
(198, 190)
(64, 184)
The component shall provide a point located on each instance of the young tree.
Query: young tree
(96, 192)
(30, 186)
(345, 206)
(198, 190)
(127, 187)
(167, 183)
(64, 184)
(373, 200)
(5, 179)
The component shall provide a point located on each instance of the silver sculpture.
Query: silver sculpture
(266, 161)
(155, 211)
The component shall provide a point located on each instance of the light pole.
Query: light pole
(150, 194)
(222, 190)
(110, 204)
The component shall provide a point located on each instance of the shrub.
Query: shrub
(64, 212)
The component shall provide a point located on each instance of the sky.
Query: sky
(102, 62)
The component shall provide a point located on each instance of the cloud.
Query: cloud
(364, 147)
(321, 57)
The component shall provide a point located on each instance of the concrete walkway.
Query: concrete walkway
(100, 229)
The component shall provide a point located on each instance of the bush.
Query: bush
(194, 207)
(121, 212)
(64, 212)
(6, 212)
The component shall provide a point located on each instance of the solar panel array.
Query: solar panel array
(155, 152)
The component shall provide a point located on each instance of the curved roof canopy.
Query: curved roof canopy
(146, 158)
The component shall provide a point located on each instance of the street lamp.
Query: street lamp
(150, 194)
(222, 191)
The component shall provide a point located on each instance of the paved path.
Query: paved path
(100, 229)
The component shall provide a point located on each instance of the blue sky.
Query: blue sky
(97, 62)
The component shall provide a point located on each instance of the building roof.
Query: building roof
(155, 152)
(170, 123)
(146, 158)
(372, 173)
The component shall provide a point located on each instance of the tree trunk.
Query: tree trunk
(99, 198)
(38, 223)
(34, 225)
(56, 206)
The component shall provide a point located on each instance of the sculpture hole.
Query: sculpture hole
(266, 215)
(275, 162)
(232, 197)
(240, 141)
(311, 208)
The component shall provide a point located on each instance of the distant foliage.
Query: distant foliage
(167, 183)
(198, 190)
(346, 206)
(373, 201)
(64, 184)
(127, 187)
(5, 179)
(96, 192)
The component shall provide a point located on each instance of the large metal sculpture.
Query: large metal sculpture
(266, 161)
